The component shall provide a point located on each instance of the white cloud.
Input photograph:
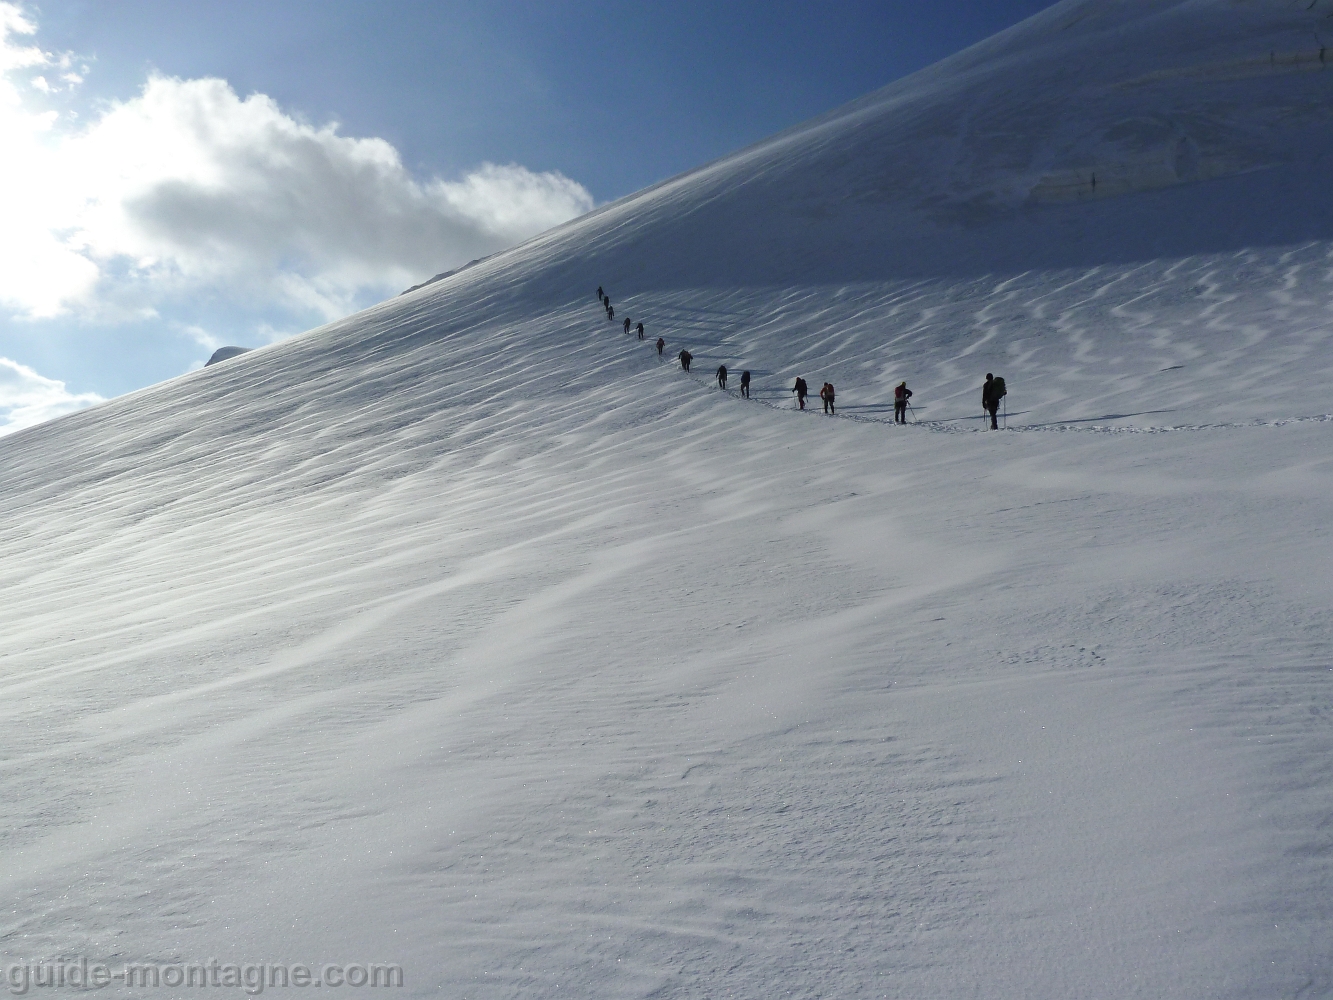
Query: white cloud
(13, 55)
(189, 187)
(202, 337)
(27, 398)
(38, 271)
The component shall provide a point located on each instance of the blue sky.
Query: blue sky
(173, 182)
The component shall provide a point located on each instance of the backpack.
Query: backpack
(998, 387)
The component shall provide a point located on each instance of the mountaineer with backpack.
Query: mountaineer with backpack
(800, 388)
(601, 295)
(685, 358)
(722, 376)
(661, 343)
(627, 324)
(991, 394)
(745, 384)
(826, 394)
(901, 394)
(640, 328)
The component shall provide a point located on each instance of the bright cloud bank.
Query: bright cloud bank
(27, 398)
(188, 187)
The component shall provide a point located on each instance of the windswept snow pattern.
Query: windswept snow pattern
(466, 635)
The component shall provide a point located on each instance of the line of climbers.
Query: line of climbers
(992, 392)
(605, 300)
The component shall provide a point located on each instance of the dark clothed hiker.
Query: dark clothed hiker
(721, 376)
(661, 343)
(826, 394)
(685, 358)
(901, 394)
(745, 384)
(601, 295)
(801, 389)
(640, 329)
(627, 324)
(610, 311)
(991, 393)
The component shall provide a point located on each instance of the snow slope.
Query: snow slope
(466, 635)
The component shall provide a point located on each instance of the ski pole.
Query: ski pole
(1005, 404)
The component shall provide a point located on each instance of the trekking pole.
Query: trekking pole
(912, 411)
(1005, 404)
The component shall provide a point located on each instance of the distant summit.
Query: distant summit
(446, 274)
(224, 354)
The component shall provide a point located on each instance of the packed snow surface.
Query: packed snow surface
(467, 635)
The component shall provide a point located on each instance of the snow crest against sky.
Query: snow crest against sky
(27, 398)
(189, 193)
(177, 177)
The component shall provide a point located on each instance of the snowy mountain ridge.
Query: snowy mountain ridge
(467, 635)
